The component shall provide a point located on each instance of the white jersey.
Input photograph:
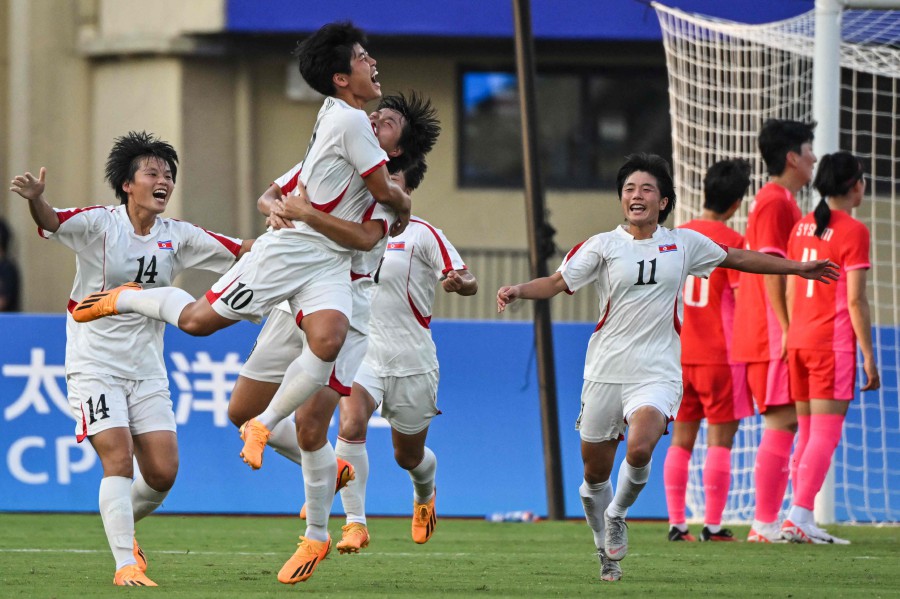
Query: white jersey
(108, 254)
(400, 341)
(342, 152)
(639, 283)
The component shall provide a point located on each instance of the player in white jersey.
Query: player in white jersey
(118, 396)
(632, 372)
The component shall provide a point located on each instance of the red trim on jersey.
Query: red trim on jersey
(602, 320)
(373, 169)
(71, 307)
(445, 255)
(675, 317)
(299, 318)
(573, 250)
(291, 184)
(212, 296)
(367, 215)
(335, 384)
(65, 215)
(327, 208)
(354, 276)
(723, 246)
(231, 246)
(83, 435)
(104, 262)
(425, 321)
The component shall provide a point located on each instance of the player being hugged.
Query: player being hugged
(119, 396)
(632, 374)
(826, 325)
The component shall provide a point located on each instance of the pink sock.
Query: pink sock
(772, 471)
(824, 436)
(675, 477)
(802, 440)
(716, 480)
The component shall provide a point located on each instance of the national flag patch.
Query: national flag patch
(397, 245)
(165, 245)
(669, 247)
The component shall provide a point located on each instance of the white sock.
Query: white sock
(713, 528)
(353, 496)
(595, 498)
(305, 375)
(631, 481)
(144, 498)
(283, 439)
(801, 515)
(319, 474)
(162, 303)
(423, 477)
(681, 526)
(118, 519)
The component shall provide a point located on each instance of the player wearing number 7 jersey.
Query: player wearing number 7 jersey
(826, 325)
(632, 373)
(117, 384)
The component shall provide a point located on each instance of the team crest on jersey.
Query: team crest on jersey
(165, 245)
(397, 245)
(669, 247)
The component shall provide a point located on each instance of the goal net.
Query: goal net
(725, 80)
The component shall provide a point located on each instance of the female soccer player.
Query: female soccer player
(826, 325)
(632, 374)
(119, 396)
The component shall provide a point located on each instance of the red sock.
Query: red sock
(716, 480)
(772, 471)
(675, 477)
(825, 434)
(802, 440)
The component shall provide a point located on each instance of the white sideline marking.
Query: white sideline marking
(189, 552)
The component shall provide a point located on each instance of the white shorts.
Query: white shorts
(102, 401)
(283, 267)
(605, 407)
(408, 403)
(348, 362)
(278, 344)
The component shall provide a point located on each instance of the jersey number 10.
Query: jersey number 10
(694, 297)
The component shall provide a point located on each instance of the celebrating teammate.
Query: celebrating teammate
(715, 388)
(761, 308)
(120, 398)
(632, 374)
(826, 324)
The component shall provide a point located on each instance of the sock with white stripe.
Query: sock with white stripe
(631, 481)
(595, 498)
(118, 519)
(305, 375)
(319, 474)
(353, 496)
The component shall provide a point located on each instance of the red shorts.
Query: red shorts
(717, 392)
(769, 384)
(821, 374)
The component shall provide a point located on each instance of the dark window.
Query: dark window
(588, 121)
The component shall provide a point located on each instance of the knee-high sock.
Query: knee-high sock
(630, 483)
(118, 519)
(675, 477)
(305, 375)
(162, 303)
(595, 498)
(283, 439)
(144, 498)
(772, 472)
(423, 477)
(824, 436)
(353, 496)
(319, 474)
(716, 480)
(800, 447)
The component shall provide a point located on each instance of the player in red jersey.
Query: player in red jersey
(715, 387)
(826, 325)
(761, 308)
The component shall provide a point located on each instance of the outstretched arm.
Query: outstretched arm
(542, 288)
(460, 281)
(32, 190)
(823, 271)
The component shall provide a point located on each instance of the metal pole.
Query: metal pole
(537, 248)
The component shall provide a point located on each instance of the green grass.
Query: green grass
(64, 555)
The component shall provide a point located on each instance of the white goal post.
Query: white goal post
(840, 66)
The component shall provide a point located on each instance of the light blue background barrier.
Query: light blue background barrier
(488, 439)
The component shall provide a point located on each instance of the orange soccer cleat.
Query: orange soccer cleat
(424, 520)
(139, 556)
(255, 436)
(303, 563)
(131, 576)
(355, 537)
(345, 473)
(100, 304)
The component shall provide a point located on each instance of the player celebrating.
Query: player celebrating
(632, 374)
(714, 387)
(826, 324)
(761, 308)
(119, 397)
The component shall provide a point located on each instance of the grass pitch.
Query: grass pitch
(64, 555)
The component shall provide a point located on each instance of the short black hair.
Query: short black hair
(725, 182)
(780, 136)
(127, 153)
(5, 236)
(656, 166)
(421, 130)
(836, 174)
(326, 52)
(414, 174)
